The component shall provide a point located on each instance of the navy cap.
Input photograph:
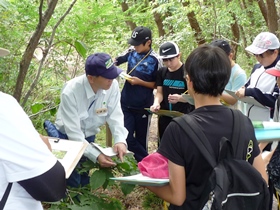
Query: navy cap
(222, 44)
(140, 35)
(101, 64)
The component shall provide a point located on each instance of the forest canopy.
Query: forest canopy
(50, 40)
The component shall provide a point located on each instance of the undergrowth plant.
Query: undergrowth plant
(93, 195)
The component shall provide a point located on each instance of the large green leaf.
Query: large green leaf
(81, 48)
(97, 179)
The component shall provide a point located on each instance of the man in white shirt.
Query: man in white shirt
(88, 102)
(25, 160)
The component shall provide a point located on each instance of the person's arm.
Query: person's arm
(266, 99)
(228, 99)
(122, 59)
(137, 81)
(115, 120)
(49, 187)
(175, 191)
(260, 166)
(157, 100)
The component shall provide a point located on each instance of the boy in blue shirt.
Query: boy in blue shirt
(137, 92)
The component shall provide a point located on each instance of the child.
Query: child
(170, 85)
(137, 92)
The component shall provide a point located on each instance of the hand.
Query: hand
(155, 107)
(241, 92)
(173, 98)
(134, 81)
(105, 161)
(46, 141)
(121, 149)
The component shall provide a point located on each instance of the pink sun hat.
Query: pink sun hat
(275, 71)
(155, 166)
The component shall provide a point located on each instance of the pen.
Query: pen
(170, 106)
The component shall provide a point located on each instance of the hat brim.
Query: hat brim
(4, 52)
(134, 42)
(168, 56)
(112, 73)
(273, 72)
(255, 50)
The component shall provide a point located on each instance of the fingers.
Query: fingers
(105, 161)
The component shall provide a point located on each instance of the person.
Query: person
(271, 159)
(188, 170)
(261, 85)
(170, 84)
(25, 160)
(137, 93)
(237, 78)
(88, 102)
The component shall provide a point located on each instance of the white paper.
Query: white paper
(108, 151)
(125, 75)
(246, 99)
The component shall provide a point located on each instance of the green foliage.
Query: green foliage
(152, 202)
(93, 195)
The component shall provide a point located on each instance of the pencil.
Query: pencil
(170, 107)
(185, 92)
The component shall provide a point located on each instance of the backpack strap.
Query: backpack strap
(193, 130)
(5, 196)
(237, 134)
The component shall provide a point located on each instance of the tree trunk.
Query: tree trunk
(129, 23)
(272, 16)
(33, 42)
(46, 52)
(263, 10)
(195, 26)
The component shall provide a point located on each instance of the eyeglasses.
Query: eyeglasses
(168, 59)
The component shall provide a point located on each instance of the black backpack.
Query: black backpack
(234, 183)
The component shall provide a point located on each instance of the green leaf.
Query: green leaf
(81, 48)
(36, 107)
(97, 179)
(127, 188)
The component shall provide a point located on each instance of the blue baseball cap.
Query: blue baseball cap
(101, 64)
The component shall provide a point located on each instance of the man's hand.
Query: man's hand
(46, 141)
(105, 161)
(121, 149)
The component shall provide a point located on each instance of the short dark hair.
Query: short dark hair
(208, 67)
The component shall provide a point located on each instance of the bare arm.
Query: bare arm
(260, 166)
(175, 192)
(158, 99)
(137, 81)
(228, 99)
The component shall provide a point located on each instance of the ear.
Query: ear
(91, 78)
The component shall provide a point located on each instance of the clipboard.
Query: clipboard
(188, 98)
(68, 153)
(246, 99)
(139, 179)
(168, 113)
